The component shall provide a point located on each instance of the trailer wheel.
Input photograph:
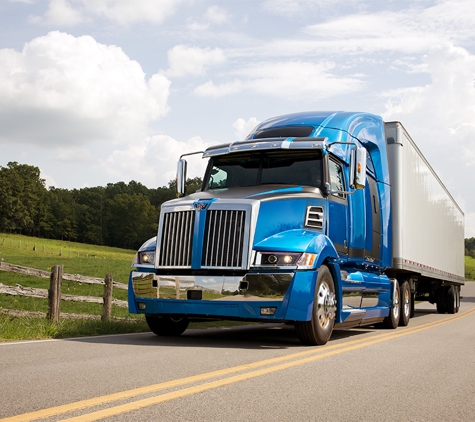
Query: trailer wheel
(319, 329)
(441, 300)
(451, 300)
(413, 304)
(405, 304)
(167, 326)
(457, 292)
(392, 320)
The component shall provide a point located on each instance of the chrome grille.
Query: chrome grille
(314, 217)
(177, 237)
(223, 243)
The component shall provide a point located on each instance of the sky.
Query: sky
(102, 91)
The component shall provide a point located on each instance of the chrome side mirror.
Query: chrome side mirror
(181, 177)
(358, 168)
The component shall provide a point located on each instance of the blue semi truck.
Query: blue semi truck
(319, 219)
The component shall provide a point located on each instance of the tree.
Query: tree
(470, 247)
(131, 219)
(21, 193)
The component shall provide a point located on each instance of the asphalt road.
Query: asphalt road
(423, 372)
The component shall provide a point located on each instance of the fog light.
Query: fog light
(141, 306)
(268, 311)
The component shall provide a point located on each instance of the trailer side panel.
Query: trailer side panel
(428, 225)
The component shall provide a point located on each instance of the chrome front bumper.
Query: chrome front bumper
(252, 286)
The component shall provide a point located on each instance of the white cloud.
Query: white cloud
(217, 15)
(184, 60)
(60, 12)
(63, 90)
(292, 8)
(209, 89)
(292, 80)
(243, 128)
(71, 12)
(408, 30)
(469, 224)
(214, 15)
(153, 160)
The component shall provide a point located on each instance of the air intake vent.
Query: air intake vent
(223, 243)
(176, 242)
(314, 217)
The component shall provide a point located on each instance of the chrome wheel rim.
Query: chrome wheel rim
(326, 305)
(406, 303)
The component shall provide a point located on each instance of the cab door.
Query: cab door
(373, 222)
(337, 207)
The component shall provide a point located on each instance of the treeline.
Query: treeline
(470, 247)
(120, 214)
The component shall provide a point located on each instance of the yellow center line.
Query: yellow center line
(296, 359)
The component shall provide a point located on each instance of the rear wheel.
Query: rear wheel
(451, 300)
(392, 320)
(441, 300)
(319, 329)
(405, 304)
(413, 304)
(167, 326)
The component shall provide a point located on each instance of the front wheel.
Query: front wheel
(319, 329)
(167, 326)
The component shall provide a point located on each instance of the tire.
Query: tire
(167, 326)
(319, 329)
(413, 304)
(441, 300)
(405, 294)
(392, 320)
(457, 292)
(451, 300)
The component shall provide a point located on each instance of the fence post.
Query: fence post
(107, 307)
(54, 294)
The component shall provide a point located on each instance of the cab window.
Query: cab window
(337, 180)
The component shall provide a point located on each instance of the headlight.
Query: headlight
(144, 257)
(285, 259)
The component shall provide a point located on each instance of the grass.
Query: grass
(25, 328)
(469, 268)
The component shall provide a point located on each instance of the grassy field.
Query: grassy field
(469, 268)
(76, 258)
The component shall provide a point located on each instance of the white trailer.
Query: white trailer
(427, 223)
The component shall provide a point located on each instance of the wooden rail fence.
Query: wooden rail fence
(54, 295)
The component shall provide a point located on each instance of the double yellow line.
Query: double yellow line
(222, 377)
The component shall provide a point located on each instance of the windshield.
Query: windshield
(265, 167)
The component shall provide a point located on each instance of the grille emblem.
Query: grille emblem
(200, 206)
